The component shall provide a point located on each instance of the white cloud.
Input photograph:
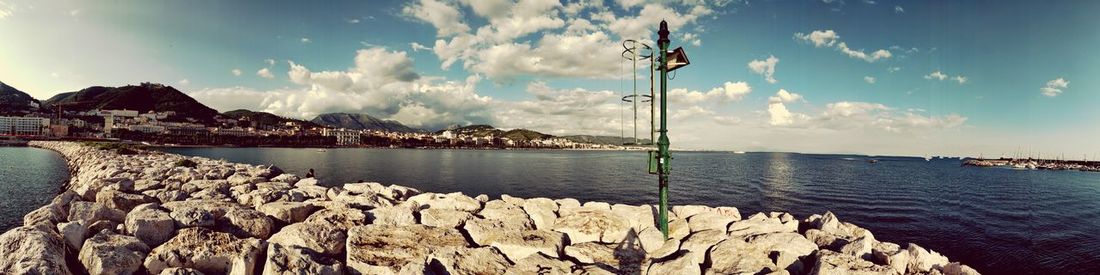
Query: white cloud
(446, 18)
(265, 73)
(893, 69)
(184, 82)
(729, 91)
(416, 47)
(960, 79)
(353, 21)
(778, 115)
(305, 40)
(826, 38)
(829, 38)
(74, 12)
(6, 9)
(235, 72)
(545, 38)
(270, 62)
(869, 79)
(1054, 87)
(765, 67)
(936, 75)
(899, 9)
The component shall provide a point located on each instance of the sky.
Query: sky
(879, 77)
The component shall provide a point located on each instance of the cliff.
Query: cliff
(131, 211)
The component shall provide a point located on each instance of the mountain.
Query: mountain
(263, 119)
(362, 122)
(610, 140)
(13, 100)
(481, 130)
(143, 98)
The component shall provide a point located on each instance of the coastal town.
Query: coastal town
(92, 114)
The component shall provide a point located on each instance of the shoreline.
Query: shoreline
(157, 212)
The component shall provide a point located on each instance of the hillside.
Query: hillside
(481, 130)
(144, 98)
(263, 119)
(609, 140)
(362, 122)
(13, 100)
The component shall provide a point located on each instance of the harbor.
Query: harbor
(1035, 164)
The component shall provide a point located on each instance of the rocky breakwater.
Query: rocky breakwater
(157, 213)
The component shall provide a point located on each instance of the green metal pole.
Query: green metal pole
(662, 143)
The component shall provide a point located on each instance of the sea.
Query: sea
(999, 221)
(29, 179)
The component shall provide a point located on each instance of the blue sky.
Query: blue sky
(846, 76)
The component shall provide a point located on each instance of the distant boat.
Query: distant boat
(927, 158)
(738, 152)
(872, 161)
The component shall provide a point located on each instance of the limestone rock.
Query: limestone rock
(686, 211)
(542, 212)
(292, 260)
(26, 250)
(387, 249)
(151, 224)
(825, 240)
(750, 227)
(956, 268)
(246, 222)
(700, 242)
(567, 205)
(484, 231)
(597, 205)
(501, 210)
(287, 178)
(520, 244)
(115, 199)
(342, 217)
(709, 220)
(735, 256)
(639, 217)
(207, 251)
(180, 271)
(402, 214)
(651, 239)
(446, 218)
(91, 212)
(214, 207)
(624, 259)
(287, 212)
(73, 232)
(452, 201)
(113, 254)
(100, 226)
(827, 223)
(678, 229)
(585, 225)
(829, 262)
(316, 237)
(923, 260)
(304, 182)
(540, 264)
(45, 216)
(858, 247)
(791, 243)
(679, 263)
(462, 260)
(892, 255)
(192, 217)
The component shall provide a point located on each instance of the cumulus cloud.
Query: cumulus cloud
(829, 38)
(940, 76)
(305, 40)
(446, 18)
(269, 61)
(1054, 87)
(416, 47)
(184, 82)
(765, 68)
(547, 38)
(869, 79)
(937, 75)
(778, 115)
(265, 73)
(235, 72)
(899, 9)
(729, 91)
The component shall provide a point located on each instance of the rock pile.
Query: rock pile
(152, 213)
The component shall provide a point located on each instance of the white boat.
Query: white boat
(738, 152)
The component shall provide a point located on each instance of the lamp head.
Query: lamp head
(676, 59)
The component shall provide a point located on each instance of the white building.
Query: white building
(24, 126)
(448, 134)
(343, 136)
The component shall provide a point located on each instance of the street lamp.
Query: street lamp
(670, 60)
